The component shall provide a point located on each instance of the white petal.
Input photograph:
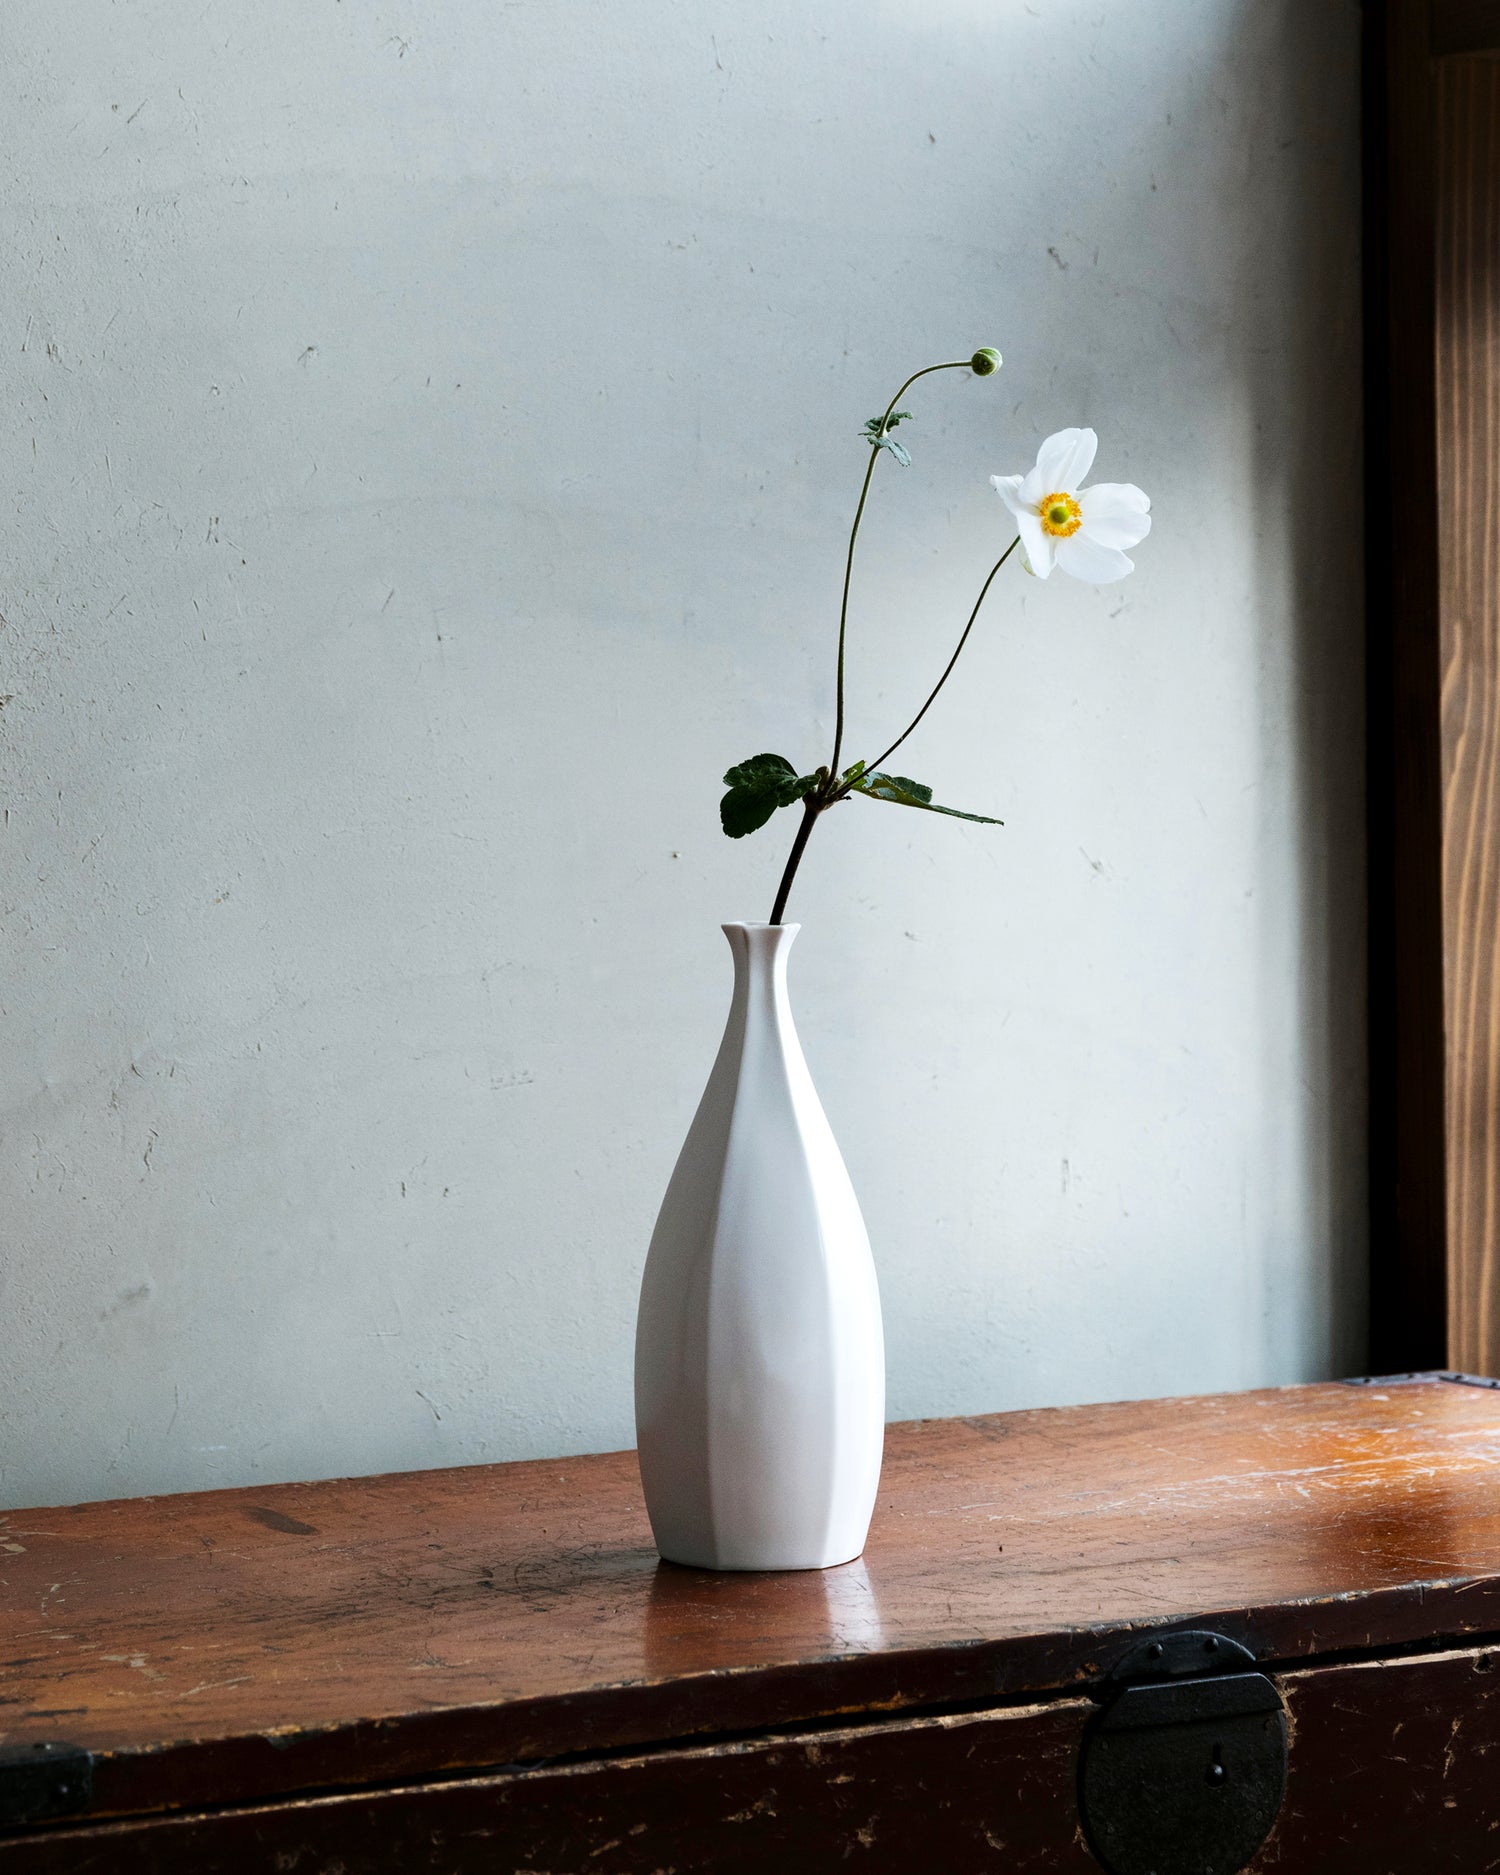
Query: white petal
(1116, 498)
(1064, 460)
(1091, 560)
(1116, 514)
(1007, 487)
(1129, 531)
(1032, 488)
(1036, 542)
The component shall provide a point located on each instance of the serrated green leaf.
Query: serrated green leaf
(908, 786)
(759, 771)
(743, 810)
(876, 440)
(757, 787)
(901, 791)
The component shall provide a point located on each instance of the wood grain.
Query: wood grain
(1465, 26)
(1468, 428)
(1390, 1774)
(1392, 1768)
(967, 1792)
(237, 1645)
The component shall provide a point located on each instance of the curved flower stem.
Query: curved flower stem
(961, 364)
(832, 794)
(880, 760)
(810, 812)
(829, 795)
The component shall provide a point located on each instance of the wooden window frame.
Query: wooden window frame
(1409, 1178)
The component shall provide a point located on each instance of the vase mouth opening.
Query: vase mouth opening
(755, 924)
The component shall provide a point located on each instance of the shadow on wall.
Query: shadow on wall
(1251, 257)
(1304, 392)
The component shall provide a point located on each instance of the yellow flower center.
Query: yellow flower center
(1061, 515)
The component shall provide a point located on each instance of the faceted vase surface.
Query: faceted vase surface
(759, 1362)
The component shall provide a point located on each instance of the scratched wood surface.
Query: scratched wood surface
(972, 1791)
(1390, 1773)
(1468, 377)
(240, 1644)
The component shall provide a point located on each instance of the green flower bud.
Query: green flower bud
(985, 361)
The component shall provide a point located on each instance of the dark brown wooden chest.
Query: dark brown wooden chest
(487, 1669)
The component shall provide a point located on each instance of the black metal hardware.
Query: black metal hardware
(1183, 1770)
(1396, 1380)
(44, 1780)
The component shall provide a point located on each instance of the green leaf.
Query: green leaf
(742, 810)
(901, 791)
(879, 438)
(906, 785)
(760, 771)
(757, 787)
(877, 433)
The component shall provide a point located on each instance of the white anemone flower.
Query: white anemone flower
(1085, 531)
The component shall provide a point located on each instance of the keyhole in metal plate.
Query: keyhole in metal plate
(1183, 1769)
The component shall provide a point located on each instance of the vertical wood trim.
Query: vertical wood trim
(1408, 1247)
(1465, 26)
(1468, 449)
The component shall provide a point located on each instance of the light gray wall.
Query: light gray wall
(431, 432)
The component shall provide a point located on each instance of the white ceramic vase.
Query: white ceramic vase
(759, 1358)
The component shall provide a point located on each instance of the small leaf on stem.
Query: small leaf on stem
(901, 791)
(757, 787)
(743, 810)
(877, 433)
(760, 771)
(876, 427)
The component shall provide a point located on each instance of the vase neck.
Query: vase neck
(760, 954)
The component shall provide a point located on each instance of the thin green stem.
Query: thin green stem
(962, 364)
(819, 803)
(829, 794)
(880, 760)
(810, 812)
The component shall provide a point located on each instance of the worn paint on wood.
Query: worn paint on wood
(1392, 1768)
(1390, 1775)
(974, 1791)
(241, 1644)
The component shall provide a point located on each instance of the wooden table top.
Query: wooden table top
(303, 1636)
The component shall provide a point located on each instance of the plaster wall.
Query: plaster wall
(431, 433)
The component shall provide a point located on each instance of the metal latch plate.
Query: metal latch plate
(44, 1780)
(1183, 1771)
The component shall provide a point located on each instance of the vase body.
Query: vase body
(759, 1360)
